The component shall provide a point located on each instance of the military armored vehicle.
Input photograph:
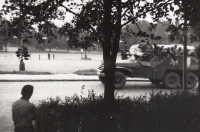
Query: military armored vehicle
(158, 69)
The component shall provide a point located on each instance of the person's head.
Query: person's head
(168, 49)
(27, 91)
(142, 41)
(179, 49)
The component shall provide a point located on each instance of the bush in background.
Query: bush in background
(161, 112)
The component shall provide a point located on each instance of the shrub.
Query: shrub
(86, 72)
(161, 112)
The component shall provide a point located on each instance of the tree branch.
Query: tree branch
(67, 9)
(118, 29)
(139, 15)
(124, 13)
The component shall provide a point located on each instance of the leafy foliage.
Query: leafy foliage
(5, 30)
(49, 29)
(143, 30)
(187, 16)
(22, 53)
(96, 20)
(159, 112)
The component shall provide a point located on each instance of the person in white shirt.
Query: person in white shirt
(24, 112)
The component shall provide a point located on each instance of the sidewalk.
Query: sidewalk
(6, 125)
(51, 77)
(55, 77)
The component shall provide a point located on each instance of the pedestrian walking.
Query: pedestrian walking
(24, 112)
(49, 56)
(53, 56)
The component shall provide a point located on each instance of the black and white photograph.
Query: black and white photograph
(99, 65)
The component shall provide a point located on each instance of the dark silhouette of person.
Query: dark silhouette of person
(142, 41)
(170, 52)
(125, 54)
(179, 51)
(161, 49)
(156, 48)
(49, 56)
(24, 112)
(175, 49)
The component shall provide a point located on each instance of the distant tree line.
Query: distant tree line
(129, 34)
(67, 32)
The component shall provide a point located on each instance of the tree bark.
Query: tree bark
(110, 48)
(108, 62)
(109, 77)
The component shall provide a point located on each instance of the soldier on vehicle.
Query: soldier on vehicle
(179, 51)
(125, 53)
(156, 48)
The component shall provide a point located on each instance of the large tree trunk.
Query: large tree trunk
(109, 77)
(109, 66)
(110, 48)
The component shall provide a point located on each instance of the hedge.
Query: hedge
(158, 112)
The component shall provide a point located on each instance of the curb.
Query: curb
(64, 80)
(58, 77)
(61, 80)
(47, 80)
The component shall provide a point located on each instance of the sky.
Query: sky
(58, 23)
(69, 17)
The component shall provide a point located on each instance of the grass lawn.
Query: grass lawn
(86, 72)
(79, 72)
(25, 72)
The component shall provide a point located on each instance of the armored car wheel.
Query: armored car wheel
(120, 80)
(102, 79)
(171, 80)
(191, 80)
(155, 81)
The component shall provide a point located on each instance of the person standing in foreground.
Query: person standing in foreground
(24, 112)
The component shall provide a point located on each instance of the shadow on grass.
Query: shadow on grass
(86, 72)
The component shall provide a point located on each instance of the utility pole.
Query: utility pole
(185, 58)
(185, 31)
